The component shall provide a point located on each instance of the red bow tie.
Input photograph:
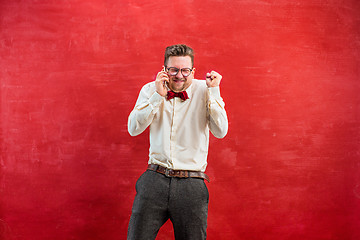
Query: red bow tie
(183, 95)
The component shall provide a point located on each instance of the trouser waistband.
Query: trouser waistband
(178, 173)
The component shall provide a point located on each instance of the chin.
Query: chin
(178, 89)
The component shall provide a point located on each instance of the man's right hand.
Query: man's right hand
(160, 80)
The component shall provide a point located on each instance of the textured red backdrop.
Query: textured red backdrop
(71, 71)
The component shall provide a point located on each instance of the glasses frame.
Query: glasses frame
(177, 71)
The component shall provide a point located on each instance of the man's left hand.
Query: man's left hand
(213, 79)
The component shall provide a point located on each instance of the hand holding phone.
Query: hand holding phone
(161, 79)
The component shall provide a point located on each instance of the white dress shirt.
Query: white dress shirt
(179, 130)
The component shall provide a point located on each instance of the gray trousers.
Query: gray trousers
(158, 198)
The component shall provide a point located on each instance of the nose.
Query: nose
(179, 74)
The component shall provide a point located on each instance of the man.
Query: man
(180, 111)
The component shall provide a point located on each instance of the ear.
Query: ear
(193, 71)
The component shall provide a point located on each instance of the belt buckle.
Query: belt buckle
(168, 172)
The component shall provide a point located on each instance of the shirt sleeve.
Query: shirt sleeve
(147, 105)
(218, 121)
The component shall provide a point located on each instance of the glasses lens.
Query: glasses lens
(173, 71)
(186, 72)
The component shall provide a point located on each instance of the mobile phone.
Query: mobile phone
(166, 83)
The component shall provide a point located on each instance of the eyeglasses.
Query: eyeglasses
(173, 71)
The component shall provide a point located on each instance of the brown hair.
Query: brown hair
(180, 50)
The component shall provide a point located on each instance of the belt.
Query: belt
(177, 173)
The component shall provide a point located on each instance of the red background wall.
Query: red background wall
(71, 71)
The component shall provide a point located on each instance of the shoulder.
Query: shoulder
(198, 89)
(149, 87)
(147, 90)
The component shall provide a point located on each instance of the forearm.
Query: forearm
(143, 113)
(218, 121)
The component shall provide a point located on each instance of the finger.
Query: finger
(162, 75)
(165, 75)
(159, 74)
(216, 75)
(212, 77)
(164, 79)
